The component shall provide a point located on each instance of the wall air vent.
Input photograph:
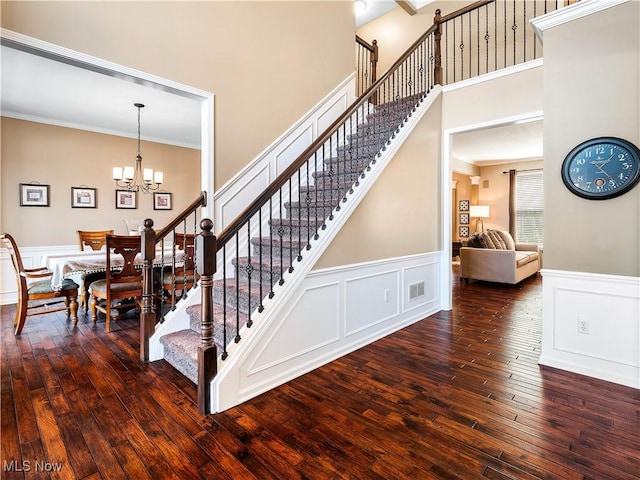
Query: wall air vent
(416, 290)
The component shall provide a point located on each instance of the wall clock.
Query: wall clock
(602, 168)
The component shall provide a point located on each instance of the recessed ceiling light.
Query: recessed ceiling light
(361, 7)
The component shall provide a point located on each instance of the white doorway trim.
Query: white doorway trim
(447, 134)
(71, 57)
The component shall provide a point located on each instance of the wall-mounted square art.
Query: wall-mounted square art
(464, 205)
(126, 199)
(162, 201)
(34, 195)
(464, 231)
(464, 219)
(83, 197)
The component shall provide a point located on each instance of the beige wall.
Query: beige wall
(494, 191)
(267, 62)
(591, 79)
(401, 214)
(499, 99)
(65, 158)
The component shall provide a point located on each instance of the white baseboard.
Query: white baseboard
(591, 325)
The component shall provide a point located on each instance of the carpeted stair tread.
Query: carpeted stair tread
(233, 316)
(239, 294)
(181, 351)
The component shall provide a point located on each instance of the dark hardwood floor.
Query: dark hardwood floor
(457, 395)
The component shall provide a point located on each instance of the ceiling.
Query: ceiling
(512, 142)
(40, 89)
(43, 90)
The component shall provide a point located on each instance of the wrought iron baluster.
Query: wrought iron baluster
(514, 27)
(486, 37)
(237, 337)
(260, 264)
(281, 235)
(505, 34)
(225, 353)
(249, 268)
(495, 36)
(331, 174)
(270, 247)
(290, 230)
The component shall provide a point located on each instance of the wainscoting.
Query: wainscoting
(591, 325)
(332, 313)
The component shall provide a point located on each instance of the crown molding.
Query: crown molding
(580, 9)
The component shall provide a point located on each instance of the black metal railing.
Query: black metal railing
(366, 64)
(490, 35)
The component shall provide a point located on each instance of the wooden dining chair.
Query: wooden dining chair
(34, 284)
(123, 282)
(183, 277)
(95, 240)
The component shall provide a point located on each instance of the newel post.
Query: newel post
(374, 65)
(148, 316)
(437, 69)
(206, 249)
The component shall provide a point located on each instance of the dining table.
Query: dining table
(66, 265)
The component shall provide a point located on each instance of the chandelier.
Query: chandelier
(136, 178)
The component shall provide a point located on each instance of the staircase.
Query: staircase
(249, 279)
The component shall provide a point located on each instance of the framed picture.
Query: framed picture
(126, 199)
(464, 205)
(464, 231)
(464, 219)
(34, 195)
(162, 201)
(83, 197)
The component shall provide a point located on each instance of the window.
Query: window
(529, 207)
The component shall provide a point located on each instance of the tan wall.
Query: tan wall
(591, 79)
(401, 213)
(499, 99)
(267, 62)
(494, 191)
(65, 158)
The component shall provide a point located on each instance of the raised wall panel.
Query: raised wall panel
(314, 324)
(234, 203)
(370, 300)
(427, 274)
(611, 329)
(606, 345)
(291, 150)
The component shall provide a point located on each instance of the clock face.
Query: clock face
(602, 168)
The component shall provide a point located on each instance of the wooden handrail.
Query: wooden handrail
(364, 43)
(201, 201)
(466, 9)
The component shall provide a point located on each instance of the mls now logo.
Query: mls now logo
(27, 466)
